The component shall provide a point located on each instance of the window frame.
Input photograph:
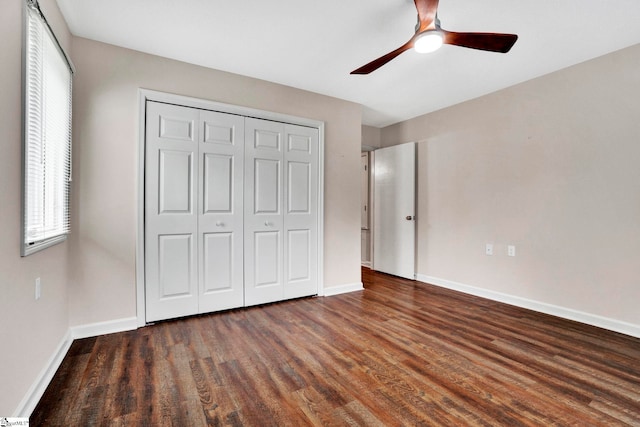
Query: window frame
(31, 10)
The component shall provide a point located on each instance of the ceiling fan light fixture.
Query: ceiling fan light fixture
(429, 41)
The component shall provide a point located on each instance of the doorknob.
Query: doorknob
(219, 224)
(267, 224)
(409, 218)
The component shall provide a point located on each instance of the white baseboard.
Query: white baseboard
(104, 328)
(35, 392)
(37, 389)
(343, 289)
(366, 264)
(554, 310)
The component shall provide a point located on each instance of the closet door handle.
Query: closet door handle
(267, 224)
(219, 224)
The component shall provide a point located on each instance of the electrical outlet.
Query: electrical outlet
(38, 288)
(489, 249)
(511, 250)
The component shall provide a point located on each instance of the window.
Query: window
(47, 135)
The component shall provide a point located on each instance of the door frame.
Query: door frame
(145, 95)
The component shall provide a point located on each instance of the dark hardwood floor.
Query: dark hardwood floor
(400, 353)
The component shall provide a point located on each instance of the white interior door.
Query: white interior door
(394, 210)
(301, 212)
(263, 211)
(220, 220)
(171, 220)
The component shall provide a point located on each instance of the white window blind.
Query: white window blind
(47, 136)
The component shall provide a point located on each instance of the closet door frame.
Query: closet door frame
(145, 95)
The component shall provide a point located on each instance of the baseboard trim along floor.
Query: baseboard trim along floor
(554, 310)
(37, 389)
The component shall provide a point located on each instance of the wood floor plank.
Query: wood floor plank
(398, 353)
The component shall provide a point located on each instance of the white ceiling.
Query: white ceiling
(314, 45)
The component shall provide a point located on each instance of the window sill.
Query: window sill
(28, 249)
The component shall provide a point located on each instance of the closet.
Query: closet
(231, 211)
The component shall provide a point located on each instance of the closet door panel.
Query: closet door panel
(263, 253)
(220, 218)
(218, 183)
(299, 194)
(218, 273)
(171, 223)
(266, 187)
(175, 182)
(299, 260)
(175, 260)
(301, 214)
(267, 260)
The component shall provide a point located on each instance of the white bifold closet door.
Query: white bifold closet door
(231, 211)
(281, 204)
(193, 211)
(220, 216)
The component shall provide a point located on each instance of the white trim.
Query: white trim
(366, 264)
(104, 328)
(140, 296)
(42, 244)
(343, 289)
(205, 104)
(320, 216)
(372, 205)
(39, 386)
(145, 95)
(554, 310)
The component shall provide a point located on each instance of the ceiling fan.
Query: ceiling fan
(429, 36)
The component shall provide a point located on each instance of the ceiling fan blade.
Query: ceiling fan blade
(492, 42)
(377, 63)
(426, 13)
